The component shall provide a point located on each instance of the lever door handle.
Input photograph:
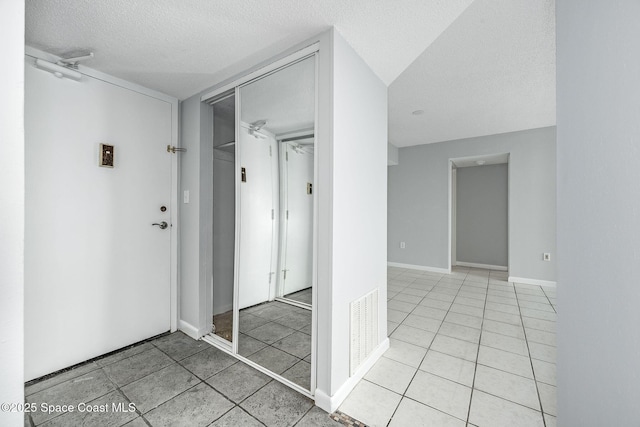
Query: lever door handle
(162, 225)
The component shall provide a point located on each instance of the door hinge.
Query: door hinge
(286, 155)
(273, 214)
(285, 274)
(270, 151)
(287, 214)
(172, 149)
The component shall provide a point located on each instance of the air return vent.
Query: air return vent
(364, 328)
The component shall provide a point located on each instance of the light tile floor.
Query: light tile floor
(467, 349)
(172, 381)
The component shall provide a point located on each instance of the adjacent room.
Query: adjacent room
(319, 214)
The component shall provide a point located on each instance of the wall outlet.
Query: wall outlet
(546, 256)
(402, 245)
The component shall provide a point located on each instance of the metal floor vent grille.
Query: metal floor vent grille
(364, 328)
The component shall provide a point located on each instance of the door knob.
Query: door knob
(162, 225)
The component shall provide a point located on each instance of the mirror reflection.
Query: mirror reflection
(296, 232)
(275, 274)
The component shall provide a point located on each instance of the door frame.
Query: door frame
(452, 210)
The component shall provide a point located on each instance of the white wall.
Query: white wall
(359, 197)
(83, 222)
(481, 220)
(12, 212)
(598, 89)
(419, 194)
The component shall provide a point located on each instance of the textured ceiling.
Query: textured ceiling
(492, 71)
(182, 47)
(284, 99)
(475, 67)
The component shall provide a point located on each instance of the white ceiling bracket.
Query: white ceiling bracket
(73, 61)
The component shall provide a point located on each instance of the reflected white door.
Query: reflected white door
(97, 274)
(258, 219)
(298, 241)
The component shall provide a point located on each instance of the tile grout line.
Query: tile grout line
(550, 303)
(544, 421)
(475, 367)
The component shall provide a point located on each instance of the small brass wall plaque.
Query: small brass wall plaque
(106, 156)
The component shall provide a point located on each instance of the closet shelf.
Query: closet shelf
(228, 144)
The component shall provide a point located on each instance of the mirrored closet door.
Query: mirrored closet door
(275, 175)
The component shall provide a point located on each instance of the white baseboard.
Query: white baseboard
(485, 266)
(331, 403)
(190, 330)
(536, 282)
(420, 267)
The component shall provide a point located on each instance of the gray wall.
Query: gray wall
(482, 215)
(195, 224)
(418, 203)
(224, 212)
(598, 89)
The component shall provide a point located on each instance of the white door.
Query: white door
(97, 272)
(298, 219)
(258, 214)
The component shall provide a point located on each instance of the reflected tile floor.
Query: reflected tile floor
(277, 336)
(170, 381)
(304, 296)
(467, 349)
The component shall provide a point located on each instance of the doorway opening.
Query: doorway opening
(479, 212)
